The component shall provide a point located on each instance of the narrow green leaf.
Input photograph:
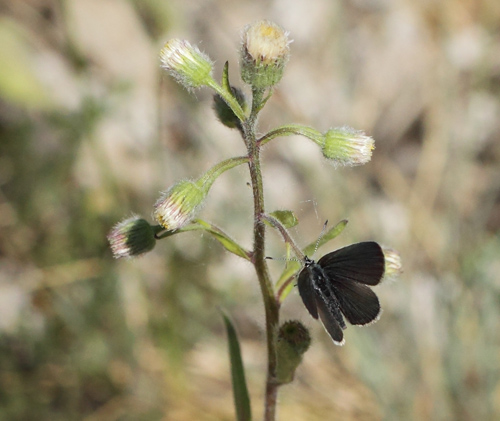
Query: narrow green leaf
(240, 391)
(228, 243)
(199, 225)
(225, 78)
(326, 237)
(286, 217)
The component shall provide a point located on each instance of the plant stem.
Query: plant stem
(293, 129)
(270, 304)
(229, 98)
(286, 236)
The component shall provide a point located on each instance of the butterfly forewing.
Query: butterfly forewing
(361, 262)
(307, 292)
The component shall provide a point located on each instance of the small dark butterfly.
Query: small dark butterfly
(336, 286)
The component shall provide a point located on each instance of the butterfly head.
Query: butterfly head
(308, 262)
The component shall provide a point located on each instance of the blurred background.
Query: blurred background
(91, 132)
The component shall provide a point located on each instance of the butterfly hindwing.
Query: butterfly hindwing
(358, 303)
(330, 323)
(361, 262)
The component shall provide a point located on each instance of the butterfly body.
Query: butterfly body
(337, 286)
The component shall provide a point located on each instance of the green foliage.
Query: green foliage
(240, 391)
(286, 217)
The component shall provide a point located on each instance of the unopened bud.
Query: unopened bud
(264, 53)
(346, 146)
(131, 237)
(179, 205)
(293, 341)
(186, 63)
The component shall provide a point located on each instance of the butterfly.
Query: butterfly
(337, 286)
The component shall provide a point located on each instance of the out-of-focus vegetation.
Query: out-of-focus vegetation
(91, 132)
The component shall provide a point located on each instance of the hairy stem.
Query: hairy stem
(270, 304)
(286, 236)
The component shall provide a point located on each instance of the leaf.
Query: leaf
(228, 243)
(240, 391)
(225, 78)
(326, 237)
(199, 225)
(286, 217)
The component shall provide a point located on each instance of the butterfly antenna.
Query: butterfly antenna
(285, 259)
(320, 236)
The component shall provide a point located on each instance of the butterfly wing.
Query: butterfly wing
(330, 323)
(361, 262)
(357, 302)
(306, 292)
(349, 270)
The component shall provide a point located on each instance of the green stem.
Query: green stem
(286, 236)
(213, 173)
(270, 304)
(230, 100)
(293, 129)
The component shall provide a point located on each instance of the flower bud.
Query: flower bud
(264, 53)
(225, 114)
(346, 146)
(131, 237)
(293, 341)
(179, 205)
(186, 63)
(393, 265)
